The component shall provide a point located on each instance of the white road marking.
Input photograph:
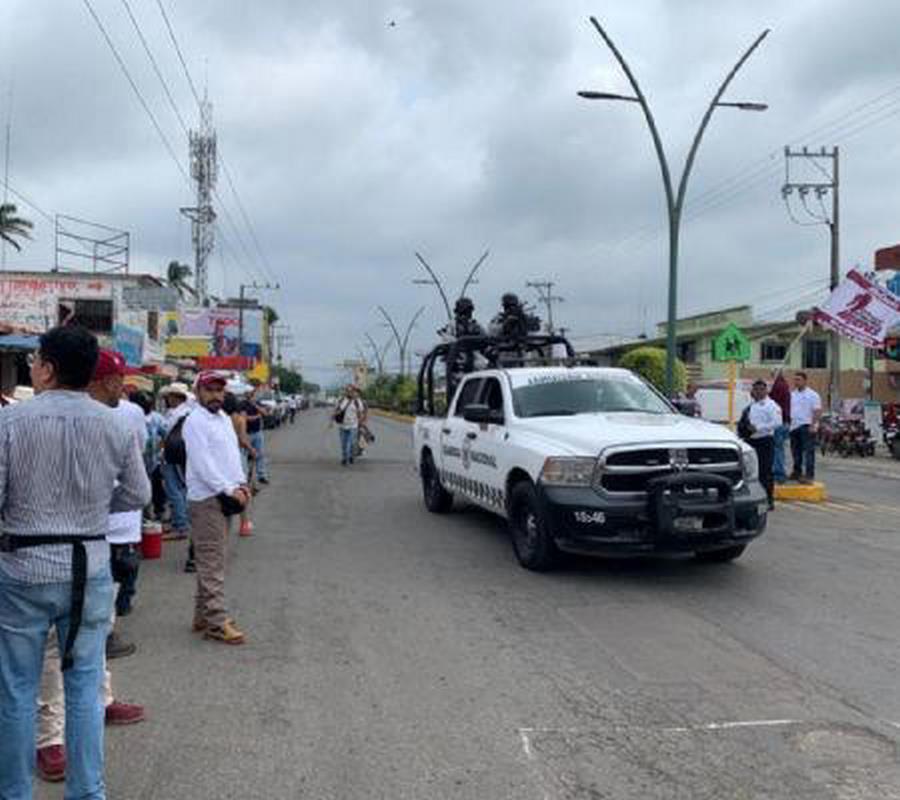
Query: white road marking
(727, 726)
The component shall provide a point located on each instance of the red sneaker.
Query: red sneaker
(124, 713)
(51, 763)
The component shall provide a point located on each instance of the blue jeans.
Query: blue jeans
(26, 613)
(779, 473)
(176, 491)
(258, 443)
(803, 450)
(348, 439)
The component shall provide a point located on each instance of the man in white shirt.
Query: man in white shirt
(806, 410)
(351, 412)
(215, 478)
(175, 396)
(764, 416)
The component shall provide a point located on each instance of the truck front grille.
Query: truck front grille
(626, 470)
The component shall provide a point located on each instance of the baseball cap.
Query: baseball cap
(211, 377)
(109, 362)
(176, 388)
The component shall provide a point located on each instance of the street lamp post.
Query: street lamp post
(402, 341)
(674, 198)
(433, 280)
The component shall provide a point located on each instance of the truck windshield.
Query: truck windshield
(607, 394)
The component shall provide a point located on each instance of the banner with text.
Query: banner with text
(860, 310)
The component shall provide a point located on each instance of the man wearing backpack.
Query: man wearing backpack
(351, 412)
(175, 396)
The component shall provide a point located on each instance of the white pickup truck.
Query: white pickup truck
(590, 460)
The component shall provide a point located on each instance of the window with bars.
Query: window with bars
(773, 351)
(815, 354)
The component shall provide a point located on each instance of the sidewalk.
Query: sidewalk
(878, 466)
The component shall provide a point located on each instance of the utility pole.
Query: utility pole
(675, 194)
(241, 302)
(818, 189)
(546, 296)
(205, 171)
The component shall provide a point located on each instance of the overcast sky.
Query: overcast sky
(354, 142)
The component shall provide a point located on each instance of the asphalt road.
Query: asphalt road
(399, 655)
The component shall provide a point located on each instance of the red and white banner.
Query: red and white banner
(860, 310)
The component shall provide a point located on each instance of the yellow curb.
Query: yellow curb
(393, 415)
(800, 492)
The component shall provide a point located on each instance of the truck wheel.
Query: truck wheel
(437, 499)
(532, 542)
(722, 556)
(895, 448)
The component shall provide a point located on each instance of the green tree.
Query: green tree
(650, 364)
(13, 227)
(289, 381)
(177, 275)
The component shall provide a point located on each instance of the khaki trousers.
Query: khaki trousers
(209, 531)
(51, 724)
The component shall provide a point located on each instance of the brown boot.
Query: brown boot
(227, 634)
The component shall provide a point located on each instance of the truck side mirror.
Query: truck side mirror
(482, 415)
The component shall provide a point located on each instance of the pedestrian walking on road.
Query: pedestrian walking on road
(806, 411)
(216, 488)
(66, 461)
(350, 413)
(764, 418)
(781, 394)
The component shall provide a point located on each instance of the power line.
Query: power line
(156, 69)
(135, 89)
(187, 72)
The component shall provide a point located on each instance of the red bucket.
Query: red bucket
(151, 540)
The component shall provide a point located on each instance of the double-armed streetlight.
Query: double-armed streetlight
(674, 197)
(402, 341)
(433, 280)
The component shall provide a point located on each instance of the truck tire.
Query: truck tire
(437, 499)
(531, 539)
(722, 556)
(895, 448)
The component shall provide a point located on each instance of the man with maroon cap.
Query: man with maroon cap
(216, 487)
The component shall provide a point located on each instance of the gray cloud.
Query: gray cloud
(354, 143)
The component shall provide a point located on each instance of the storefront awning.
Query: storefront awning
(19, 342)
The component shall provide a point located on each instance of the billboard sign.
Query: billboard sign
(130, 343)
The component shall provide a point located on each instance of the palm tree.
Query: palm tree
(12, 226)
(176, 276)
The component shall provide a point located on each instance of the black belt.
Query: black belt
(10, 544)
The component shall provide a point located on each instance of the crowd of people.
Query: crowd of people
(84, 466)
(775, 415)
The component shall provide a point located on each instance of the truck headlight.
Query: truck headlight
(751, 464)
(568, 471)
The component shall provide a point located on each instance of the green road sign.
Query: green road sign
(731, 345)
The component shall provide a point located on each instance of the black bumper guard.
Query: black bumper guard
(687, 494)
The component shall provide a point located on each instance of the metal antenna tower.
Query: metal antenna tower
(205, 171)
